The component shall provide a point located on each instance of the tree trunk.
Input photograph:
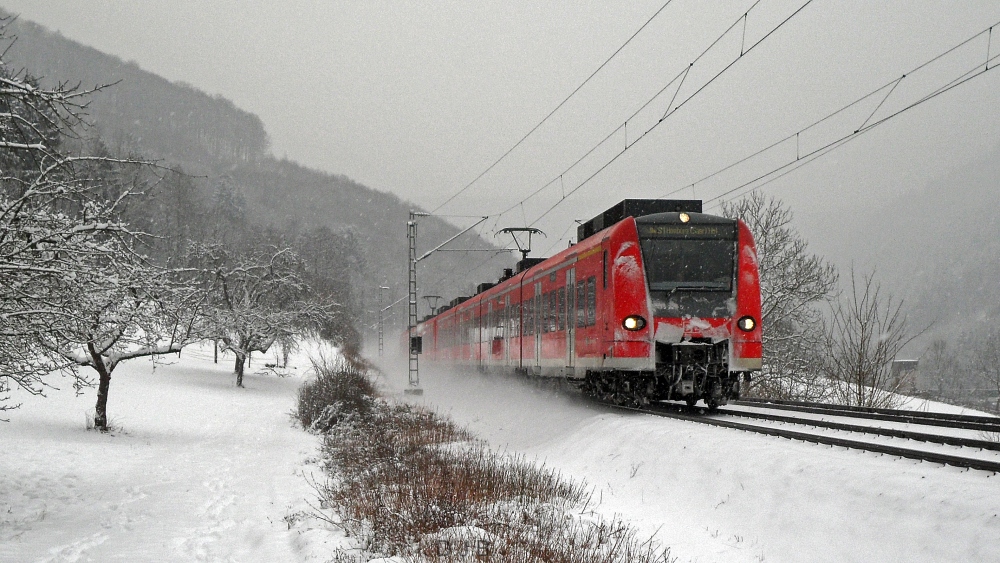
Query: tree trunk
(240, 359)
(101, 410)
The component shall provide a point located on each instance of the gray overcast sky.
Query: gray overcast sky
(418, 98)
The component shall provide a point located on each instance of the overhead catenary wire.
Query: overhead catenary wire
(765, 178)
(800, 159)
(803, 159)
(830, 147)
(681, 77)
(679, 105)
(554, 110)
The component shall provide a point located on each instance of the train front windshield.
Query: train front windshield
(690, 269)
(690, 264)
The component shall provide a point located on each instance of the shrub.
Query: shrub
(341, 387)
(411, 484)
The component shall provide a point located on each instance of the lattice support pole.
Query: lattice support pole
(414, 365)
(381, 324)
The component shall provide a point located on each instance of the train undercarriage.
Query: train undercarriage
(688, 371)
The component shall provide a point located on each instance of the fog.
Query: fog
(419, 99)
(508, 411)
(422, 99)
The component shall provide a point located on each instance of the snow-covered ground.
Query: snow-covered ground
(715, 494)
(203, 471)
(200, 470)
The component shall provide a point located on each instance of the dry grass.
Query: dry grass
(407, 482)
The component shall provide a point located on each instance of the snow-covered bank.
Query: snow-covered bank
(720, 495)
(200, 470)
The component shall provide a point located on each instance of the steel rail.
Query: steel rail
(966, 422)
(916, 414)
(891, 432)
(944, 459)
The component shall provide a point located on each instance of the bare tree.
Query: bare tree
(793, 284)
(984, 359)
(940, 367)
(866, 331)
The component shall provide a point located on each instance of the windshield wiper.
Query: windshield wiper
(697, 287)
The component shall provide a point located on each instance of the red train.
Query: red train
(656, 301)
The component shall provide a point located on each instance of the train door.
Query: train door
(570, 320)
(538, 328)
(490, 332)
(508, 322)
(522, 314)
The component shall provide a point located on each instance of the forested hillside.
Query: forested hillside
(216, 143)
(938, 246)
(951, 245)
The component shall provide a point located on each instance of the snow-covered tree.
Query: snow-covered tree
(794, 283)
(127, 309)
(256, 298)
(55, 218)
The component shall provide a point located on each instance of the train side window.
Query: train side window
(554, 312)
(533, 313)
(543, 314)
(515, 320)
(561, 311)
(537, 328)
(581, 303)
(550, 312)
(604, 270)
(591, 301)
(547, 308)
(570, 291)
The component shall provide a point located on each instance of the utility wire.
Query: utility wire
(801, 159)
(830, 147)
(551, 113)
(682, 76)
(679, 105)
(976, 70)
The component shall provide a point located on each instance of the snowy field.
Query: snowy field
(203, 471)
(714, 494)
(199, 470)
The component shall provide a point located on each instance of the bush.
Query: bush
(409, 483)
(341, 387)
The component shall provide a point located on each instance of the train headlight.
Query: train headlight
(685, 217)
(746, 323)
(634, 322)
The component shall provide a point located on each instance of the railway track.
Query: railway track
(967, 422)
(774, 425)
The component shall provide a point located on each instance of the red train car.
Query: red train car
(656, 301)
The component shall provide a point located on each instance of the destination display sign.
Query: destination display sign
(712, 231)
